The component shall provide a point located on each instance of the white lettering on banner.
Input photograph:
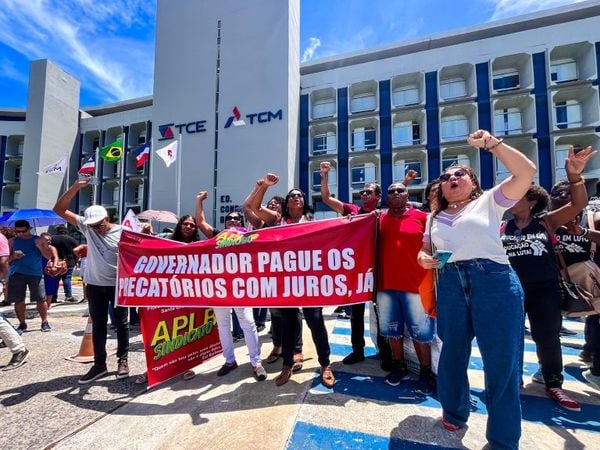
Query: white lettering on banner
(194, 264)
(290, 261)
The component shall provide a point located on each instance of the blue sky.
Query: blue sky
(108, 45)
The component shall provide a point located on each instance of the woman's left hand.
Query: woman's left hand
(575, 162)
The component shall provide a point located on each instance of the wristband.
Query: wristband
(491, 147)
(577, 183)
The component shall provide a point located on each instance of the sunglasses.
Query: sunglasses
(295, 195)
(561, 194)
(97, 226)
(400, 190)
(236, 218)
(458, 174)
(366, 192)
(21, 231)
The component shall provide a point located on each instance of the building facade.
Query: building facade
(242, 105)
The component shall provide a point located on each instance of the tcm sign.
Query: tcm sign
(261, 117)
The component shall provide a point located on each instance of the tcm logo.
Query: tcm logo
(261, 117)
(166, 131)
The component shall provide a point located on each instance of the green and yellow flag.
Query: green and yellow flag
(112, 152)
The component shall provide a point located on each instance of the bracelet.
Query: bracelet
(577, 183)
(586, 231)
(499, 141)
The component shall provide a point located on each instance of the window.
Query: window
(502, 172)
(559, 163)
(450, 161)
(453, 89)
(405, 96)
(316, 180)
(324, 143)
(115, 195)
(406, 133)
(455, 128)
(561, 71)
(508, 121)
(363, 102)
(141, 139)
(323, 108)
(364, 139)
(568, 114)
(363, 173)
(17, 199)
(506, 81)
(403, 166)
(20, 148)
(138, 194)
(95, 143)
(17, 174)
(322, 211)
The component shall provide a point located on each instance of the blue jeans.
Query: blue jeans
(396, 309)
(483, 299)
(67, 282)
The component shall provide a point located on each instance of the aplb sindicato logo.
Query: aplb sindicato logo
(260, 117)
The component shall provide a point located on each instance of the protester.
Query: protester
(51, 282)
(369, 198)
(478, 293)
(26, 251)
(296, 210)
(8, 334)
(102, 238)
(575, 242)
(233, 221)
(65, 244)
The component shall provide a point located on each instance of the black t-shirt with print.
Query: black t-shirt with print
(573, 248)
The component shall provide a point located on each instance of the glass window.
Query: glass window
(502, 172)
(322, 211)
(401, 167)
(562, 71)
(406, 133)
(324, 143)
(559, 163)
(316, 180)
(450, 161)
(20, 148)
(568, 114)
(455, 127)
(364, 139)
(363, 173)
(506, 81)
(508, 121)
(115, 195)
(324, 108)
(17, 199)
(405, 96)
(453, 89)
(139, 194)
(363, 102)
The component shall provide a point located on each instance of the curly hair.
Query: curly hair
(540, 196)
(306, 211)
(178, 236)
(441, 203)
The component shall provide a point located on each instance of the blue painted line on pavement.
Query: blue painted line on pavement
(309, 436)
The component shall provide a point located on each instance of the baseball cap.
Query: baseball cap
(94, 214)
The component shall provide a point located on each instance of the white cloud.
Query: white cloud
(510, 8)
(87, 38)
(313, 44)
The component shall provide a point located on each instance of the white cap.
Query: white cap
(94, 214)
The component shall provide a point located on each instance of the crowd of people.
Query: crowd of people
(508, 272)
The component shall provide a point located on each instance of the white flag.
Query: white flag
(168, 153)
(57, 168)
(131, 222)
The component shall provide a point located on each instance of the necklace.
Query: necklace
(457, 204)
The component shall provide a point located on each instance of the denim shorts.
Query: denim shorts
(18, 284)
(51, 285)
(396, 309)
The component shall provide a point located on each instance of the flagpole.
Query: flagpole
(123, 162)
(96, 167)
(66, 179)
(178, 176)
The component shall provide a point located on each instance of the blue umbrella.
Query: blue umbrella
(35, 216)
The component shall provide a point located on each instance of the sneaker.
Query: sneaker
(327, 377)
(123, 369)
(353, 358)
(93, 374)
(21, 328)
(226, 368)
(339, 309)
(450, 426)
(260, 373)
(559, 396)
(71, 300)
(427, 382)
(594, 380)
(17, 360)
(585, 356)
(260, 327)
(344, 315)
(538, 377)
(566, 332)
(386, 365)
(398, 374)
(46, 327)
(237, 337)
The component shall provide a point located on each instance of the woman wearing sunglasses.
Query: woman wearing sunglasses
(295, 210)
(478, 293)
(528, 245)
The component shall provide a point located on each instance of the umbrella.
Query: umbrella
(158, 216)
(35, 216)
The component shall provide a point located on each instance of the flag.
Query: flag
(168, 153)
(112, 152)
(57, 168)
(142, 153)
(89, 167)
(131, 222)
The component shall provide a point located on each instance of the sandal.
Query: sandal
(188, 375)
(141, 379)
(327, 377)
(284, 376)
(298, 362)
(274, 355)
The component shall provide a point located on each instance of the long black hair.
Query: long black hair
(178, 236)
(306, 211)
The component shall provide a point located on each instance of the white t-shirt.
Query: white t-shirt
(474, 232)
(102, 254)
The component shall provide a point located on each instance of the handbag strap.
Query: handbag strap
(431, 245)
(558, 256)
(592, 227)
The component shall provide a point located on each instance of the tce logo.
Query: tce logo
(166, 131)
(261, 117)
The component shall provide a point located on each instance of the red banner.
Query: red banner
(177, 339)
(321, 263)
